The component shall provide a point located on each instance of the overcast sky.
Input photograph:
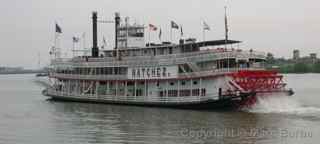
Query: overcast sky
(277, 26)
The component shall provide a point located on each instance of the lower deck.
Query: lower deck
(176, 90)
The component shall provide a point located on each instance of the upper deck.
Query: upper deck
(131, 58)
(158, 60)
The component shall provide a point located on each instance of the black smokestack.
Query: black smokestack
(117, 24)
(95, 49)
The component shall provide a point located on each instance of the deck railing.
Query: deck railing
(214, 72)
(171, 59)
(89, 77)
(151, 99)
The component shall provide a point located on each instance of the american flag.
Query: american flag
(152, 27)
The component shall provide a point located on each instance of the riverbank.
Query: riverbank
(22, 72)
(296, 68)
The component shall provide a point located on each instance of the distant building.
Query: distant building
(10, 69)
(296, 54)
(270, 56)
(313, 55)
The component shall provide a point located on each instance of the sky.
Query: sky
(276, 26)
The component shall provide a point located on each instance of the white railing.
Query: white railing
(89, 77)
(150, 99)
(213, 72)
(171, 59)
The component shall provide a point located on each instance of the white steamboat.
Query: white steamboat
(190, 74)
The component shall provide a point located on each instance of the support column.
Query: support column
(126, 89)
(200, 88)
(191, 87)
(108, 88)
(145, 89)
(135, 89)
(83, 87)
(178, 83)
(97, 89)
(117, 89)
(67, 87)
(78, 87)
(166, 91)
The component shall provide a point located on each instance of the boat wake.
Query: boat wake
(281, 104)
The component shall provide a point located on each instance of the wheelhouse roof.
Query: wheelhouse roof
(193, 44)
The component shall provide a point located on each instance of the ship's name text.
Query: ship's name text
(152, 72)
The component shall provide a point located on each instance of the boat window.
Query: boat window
(170, 50)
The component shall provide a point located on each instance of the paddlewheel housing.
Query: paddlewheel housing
(258, 81)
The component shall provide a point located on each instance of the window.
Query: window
(203, 92)
(172, 93)
(195, 92)
(195, 82)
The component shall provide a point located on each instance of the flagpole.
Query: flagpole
(171, 34)
(149, 35)
(55, 42)
(55, 45)
(203, 34)
(202, 26)
(160, 33)
(73, 47)
(84, 41)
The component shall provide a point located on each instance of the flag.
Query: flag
(152, 27)
(205, 26)
(104, 42)
(174, 25)
(75, 39)
(181, 32)
(58, 29)
(160, 33)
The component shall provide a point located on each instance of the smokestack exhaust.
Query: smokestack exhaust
(117, 24)
(95, 49)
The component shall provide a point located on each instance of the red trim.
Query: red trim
(259, 80)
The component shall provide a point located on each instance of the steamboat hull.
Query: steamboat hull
(226, 103)
(244, 100)
(202, 105)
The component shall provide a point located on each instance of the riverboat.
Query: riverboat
(188, 74)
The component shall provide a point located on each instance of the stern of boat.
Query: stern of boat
(258, 83)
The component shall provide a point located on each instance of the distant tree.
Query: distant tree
(301, 68)
(286, 68)
(316, 67)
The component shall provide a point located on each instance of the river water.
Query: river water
(27, 117)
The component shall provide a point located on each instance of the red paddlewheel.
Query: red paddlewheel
(258, 80)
